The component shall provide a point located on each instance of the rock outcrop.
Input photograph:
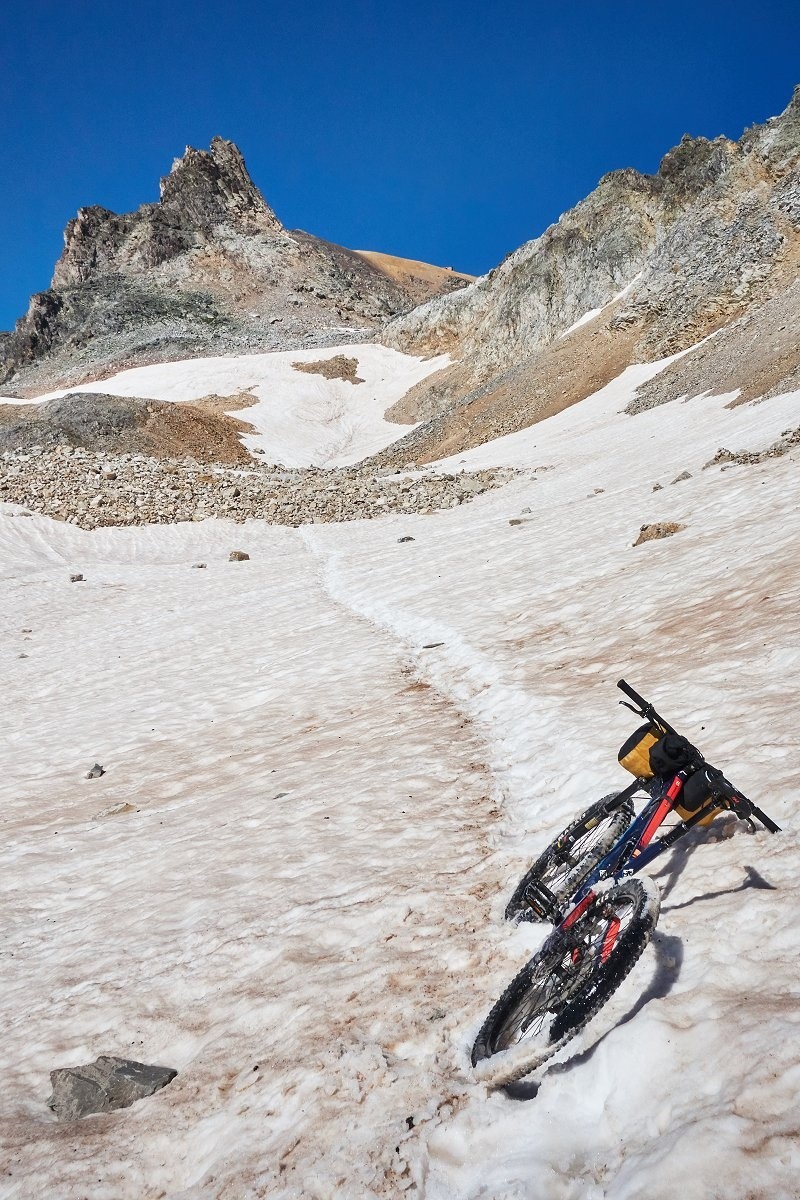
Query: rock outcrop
(127, 424)
(204, 190)
(646, 266)
(207, 269)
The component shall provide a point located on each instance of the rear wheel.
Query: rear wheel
(562, 987)
(561, 869)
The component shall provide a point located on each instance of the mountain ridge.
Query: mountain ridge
(208, 268)
(645, 267)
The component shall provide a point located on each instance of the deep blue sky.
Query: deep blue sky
(448, 131)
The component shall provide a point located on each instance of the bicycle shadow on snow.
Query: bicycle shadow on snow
(753, 880)
(675, 865)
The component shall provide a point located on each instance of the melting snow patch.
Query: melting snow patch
(302, 907)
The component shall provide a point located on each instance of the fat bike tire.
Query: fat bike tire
(560, 990)
(568, 860)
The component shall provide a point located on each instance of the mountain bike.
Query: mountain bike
(587, 885)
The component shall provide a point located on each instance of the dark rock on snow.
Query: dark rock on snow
(104, 1085)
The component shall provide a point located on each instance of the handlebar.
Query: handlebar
(628, 690)
(644, 707)
(736, 801)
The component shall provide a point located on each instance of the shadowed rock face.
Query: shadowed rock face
(713, 234)
(207, 269)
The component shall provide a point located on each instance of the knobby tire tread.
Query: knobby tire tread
(581, 1010)
(516, 910)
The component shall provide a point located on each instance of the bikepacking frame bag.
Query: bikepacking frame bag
(649, 752)
(694, 795)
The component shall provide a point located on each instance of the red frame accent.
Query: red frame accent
(660, 815)
(664, 808)
(578, 910)
(610, 939)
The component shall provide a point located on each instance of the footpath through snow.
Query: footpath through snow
(686, 1084)
(339, 757)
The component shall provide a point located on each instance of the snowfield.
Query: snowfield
(327, 767)
(300, 419)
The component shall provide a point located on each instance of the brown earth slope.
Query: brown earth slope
(128, 425)
(421, 280)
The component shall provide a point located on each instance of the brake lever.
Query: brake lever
(748, 820)
(745, 810)
(746, 814)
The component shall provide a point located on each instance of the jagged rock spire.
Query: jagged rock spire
(204, 189)
(213, 187)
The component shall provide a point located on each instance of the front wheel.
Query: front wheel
(562, 987)
(561, 869)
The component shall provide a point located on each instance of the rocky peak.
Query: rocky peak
(213, 187)
(696, 163)
(207, 269)
(779, 139)
(204, 189)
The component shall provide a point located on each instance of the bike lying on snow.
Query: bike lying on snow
(585, 884)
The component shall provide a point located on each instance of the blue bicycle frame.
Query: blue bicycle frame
(635, 848)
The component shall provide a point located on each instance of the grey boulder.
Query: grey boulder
(106, 1084)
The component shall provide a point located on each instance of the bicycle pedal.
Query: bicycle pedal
(542, 902)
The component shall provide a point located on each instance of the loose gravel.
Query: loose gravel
(92, 489)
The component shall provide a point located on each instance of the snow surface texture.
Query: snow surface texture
(289, 883)
(301, 419)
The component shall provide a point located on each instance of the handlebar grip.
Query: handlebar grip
(766, 821)
(628, 690)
